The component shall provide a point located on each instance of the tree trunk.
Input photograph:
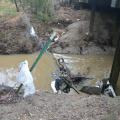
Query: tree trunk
(17, 8)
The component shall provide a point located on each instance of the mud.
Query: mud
(76, 40)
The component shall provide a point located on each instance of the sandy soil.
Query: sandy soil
(47, 106)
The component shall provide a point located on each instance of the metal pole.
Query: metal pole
(71, 86)
(115, 67)
(42, 51)
(39, 57)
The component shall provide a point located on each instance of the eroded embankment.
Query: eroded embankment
(76, 36)
(14, 36)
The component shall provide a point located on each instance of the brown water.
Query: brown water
(95, 66)
(41, 73)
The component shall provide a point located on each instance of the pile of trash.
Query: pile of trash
(63, 81)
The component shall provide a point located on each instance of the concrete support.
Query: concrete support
(116, 62)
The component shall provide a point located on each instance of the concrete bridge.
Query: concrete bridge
(98, 3)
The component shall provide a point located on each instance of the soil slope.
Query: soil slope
(75, 39)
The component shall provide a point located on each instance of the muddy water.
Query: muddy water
(94, 66)
(41, 73)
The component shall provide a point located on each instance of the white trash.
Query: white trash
(32, 32)
(55, 91)
(25, 78)
(53, 86)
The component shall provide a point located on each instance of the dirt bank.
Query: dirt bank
(14, 36)
(75, 39)
(47, 106)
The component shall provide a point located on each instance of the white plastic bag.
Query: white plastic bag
(32, 32)
(25, 78)
(53, 86)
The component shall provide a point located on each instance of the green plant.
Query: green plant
(7, 8)
(43, 9)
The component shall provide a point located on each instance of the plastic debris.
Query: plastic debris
(53, 86)
(32, 31)
(25, 78)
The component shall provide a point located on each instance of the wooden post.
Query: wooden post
(116, 62)
(92, 19)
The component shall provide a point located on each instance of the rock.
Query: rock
(91, 90)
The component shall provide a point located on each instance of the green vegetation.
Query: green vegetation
(7, 8)
(7, 11)
(43, 9)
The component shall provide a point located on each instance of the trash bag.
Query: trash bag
(53, 86)
(25, 78)
(106, 87)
